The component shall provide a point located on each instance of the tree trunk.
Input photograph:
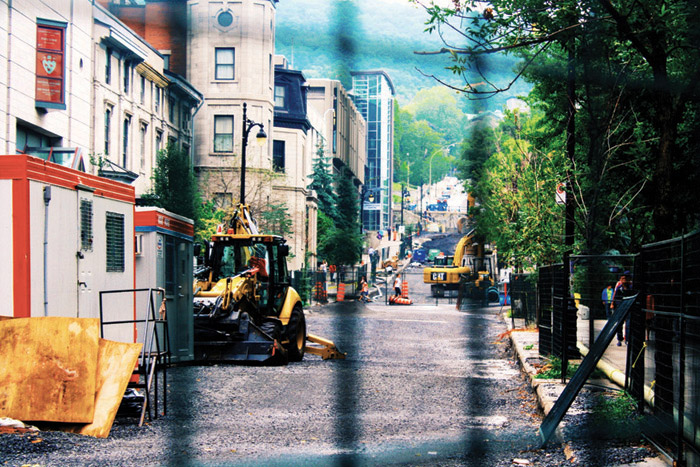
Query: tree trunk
(667, 119)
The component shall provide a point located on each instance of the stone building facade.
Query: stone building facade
(343, 128)
(139, 106)
(230, 59)
(86, 91)
(228, 55)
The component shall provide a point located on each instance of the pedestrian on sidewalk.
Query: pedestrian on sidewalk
(621, 290)
(607, 298)
(397, 286)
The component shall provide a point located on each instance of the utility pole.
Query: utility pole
(363, 192)
(403, 189)
(421, 201)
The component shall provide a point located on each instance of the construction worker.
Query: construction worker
(607, 298)
(364, 290)
(621, 289)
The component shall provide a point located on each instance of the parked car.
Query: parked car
(441, 205)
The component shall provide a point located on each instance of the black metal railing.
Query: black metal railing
(522, 294)
(151, 326)
(661, 350)
(665, 362)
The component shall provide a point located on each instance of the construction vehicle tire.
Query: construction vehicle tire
(296, 334)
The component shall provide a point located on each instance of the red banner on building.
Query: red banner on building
(49, 39)
(50, 50)
(49, 64)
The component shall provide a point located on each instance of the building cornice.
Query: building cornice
(152, 74)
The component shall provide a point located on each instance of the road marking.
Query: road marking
(409, 320)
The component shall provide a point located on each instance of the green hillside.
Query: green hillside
(327, 39)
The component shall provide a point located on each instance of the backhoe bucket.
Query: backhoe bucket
(246, 343)
(325, 348)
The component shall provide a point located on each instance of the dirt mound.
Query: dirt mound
(443, 242)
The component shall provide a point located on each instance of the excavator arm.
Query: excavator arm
(460, 250)
(242, 222)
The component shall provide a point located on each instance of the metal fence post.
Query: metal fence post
(681, 356)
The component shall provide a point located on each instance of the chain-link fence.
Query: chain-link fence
(322, 286)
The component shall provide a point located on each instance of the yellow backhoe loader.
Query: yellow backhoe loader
(244, 306)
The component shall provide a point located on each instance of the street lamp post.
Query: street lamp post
(260, 138)
(365, 193)
(430, 162)
(430, 166)
(403, 190)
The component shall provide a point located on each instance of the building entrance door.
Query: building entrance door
(178, 293)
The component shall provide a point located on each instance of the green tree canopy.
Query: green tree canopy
(636, 67)
(174, 186)
(438, 107)
(515, 189)
(418, 150)
(343, 244)
(322, 184)
(476, 149)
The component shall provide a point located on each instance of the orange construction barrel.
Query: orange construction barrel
(341, 292)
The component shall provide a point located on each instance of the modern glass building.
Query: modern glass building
(373, 94)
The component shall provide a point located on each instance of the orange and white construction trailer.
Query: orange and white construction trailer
(65, 235)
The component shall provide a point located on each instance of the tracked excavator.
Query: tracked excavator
(245, 309)
(470, 265)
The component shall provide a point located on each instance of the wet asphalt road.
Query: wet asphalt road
(422, 385)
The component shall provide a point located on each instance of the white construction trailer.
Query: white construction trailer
(65, 236)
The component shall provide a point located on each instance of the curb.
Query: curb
(547, 391)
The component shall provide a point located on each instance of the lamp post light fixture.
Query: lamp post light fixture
(367, 194)
(260, 137)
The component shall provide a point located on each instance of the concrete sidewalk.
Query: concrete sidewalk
(526, 344)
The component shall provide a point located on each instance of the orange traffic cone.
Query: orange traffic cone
(341, 293)
(394, 300)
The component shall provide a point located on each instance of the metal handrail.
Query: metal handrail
(148, 359)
